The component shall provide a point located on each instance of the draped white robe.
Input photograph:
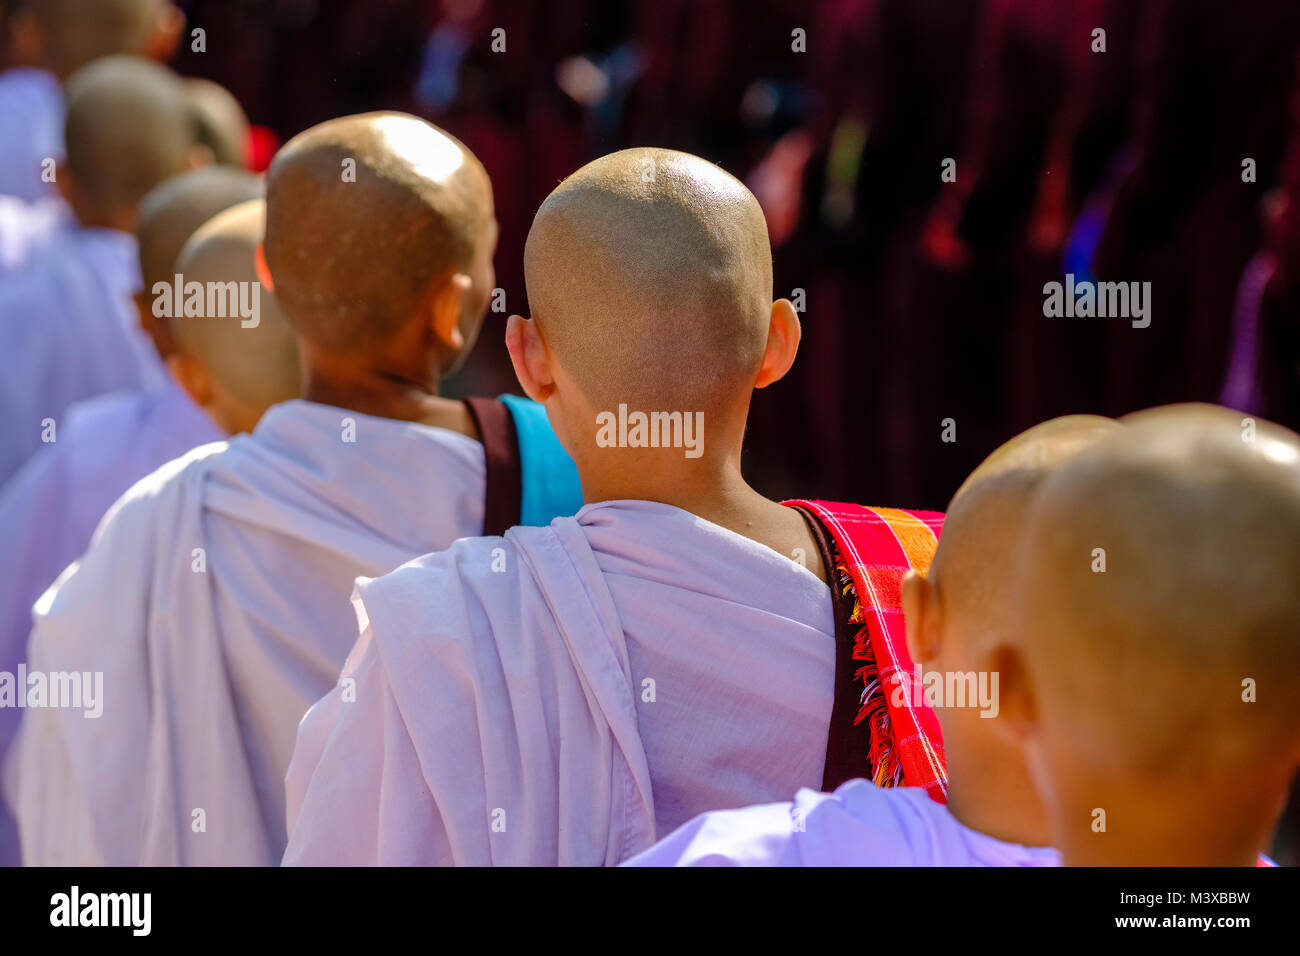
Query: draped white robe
(215, 601)
(49, 510)
(859, 824)
(69, 330)
(31, 131)
(28, 227)
(564, 695)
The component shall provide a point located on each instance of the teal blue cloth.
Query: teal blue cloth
(550, 478)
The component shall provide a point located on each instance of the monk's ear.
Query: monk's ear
(66, 184)
(198, 156)
(144, 309)
(783, 333)
(1015, 696)
(445, 311)
(158, 330)
(924, 617)
(529, 356)
(164, 33)
(193, 378)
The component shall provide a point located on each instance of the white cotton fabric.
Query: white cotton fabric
(209, 669)
(859, 824)
(562, 695)
(28, 227)
(49, 510)
(31, 131)
(69, 330)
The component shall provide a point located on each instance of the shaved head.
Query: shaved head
(650, 277)
(258, 365)
(369, 215)
(170, 214)
(1197, 521)
(128, 128)
(221, 123)
(985, 516)
(959, 616)
(80, 31)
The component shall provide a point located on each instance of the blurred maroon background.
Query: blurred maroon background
(923, 298)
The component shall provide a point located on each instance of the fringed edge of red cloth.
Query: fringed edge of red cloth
(877, 546)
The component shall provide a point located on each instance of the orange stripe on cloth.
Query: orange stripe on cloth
(915, 536)
(879, 546)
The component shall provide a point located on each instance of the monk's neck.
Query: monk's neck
(713, 490)
(386, 395)
(1174, 826)
(116, 220)
(992, 793)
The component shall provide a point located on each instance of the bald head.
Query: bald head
(79, 31)
(128, 128)
(170, 214)
(986, 515)
(257, 364)
(650, 276)
(367, 217)
(1199, 531)
(221, 124)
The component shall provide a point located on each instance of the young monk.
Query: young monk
(229, 570)
(222, 123)
(48, 41)
(222, 133)
(1159, 692)
(565, 694)
(956, 613)
(67, 320)
(50, 508)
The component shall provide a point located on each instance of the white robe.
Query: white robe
(28, 227)
(565, 694)
(31, 131)
(69, 330)
(859, 824)
(214, 599)
(49, 510)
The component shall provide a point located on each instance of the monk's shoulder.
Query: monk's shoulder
(171, 477)
(470, 571)
(157, 497)
(451, 601)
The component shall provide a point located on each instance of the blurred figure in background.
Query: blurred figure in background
(67, 320)
(49, 509)
(46, 42)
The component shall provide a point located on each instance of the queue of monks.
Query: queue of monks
(270, 596)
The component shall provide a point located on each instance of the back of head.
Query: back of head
(250, 352)
(128, 128)
(959, 617)
(1161, 610)
(221, 124)
(170, 213)
(649, 275)
(78, 32)
(972, 563)
(367, 216)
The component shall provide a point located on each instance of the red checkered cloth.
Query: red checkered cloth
(877, 547)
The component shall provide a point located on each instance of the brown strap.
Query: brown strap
(505, 483)
(847, 748)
